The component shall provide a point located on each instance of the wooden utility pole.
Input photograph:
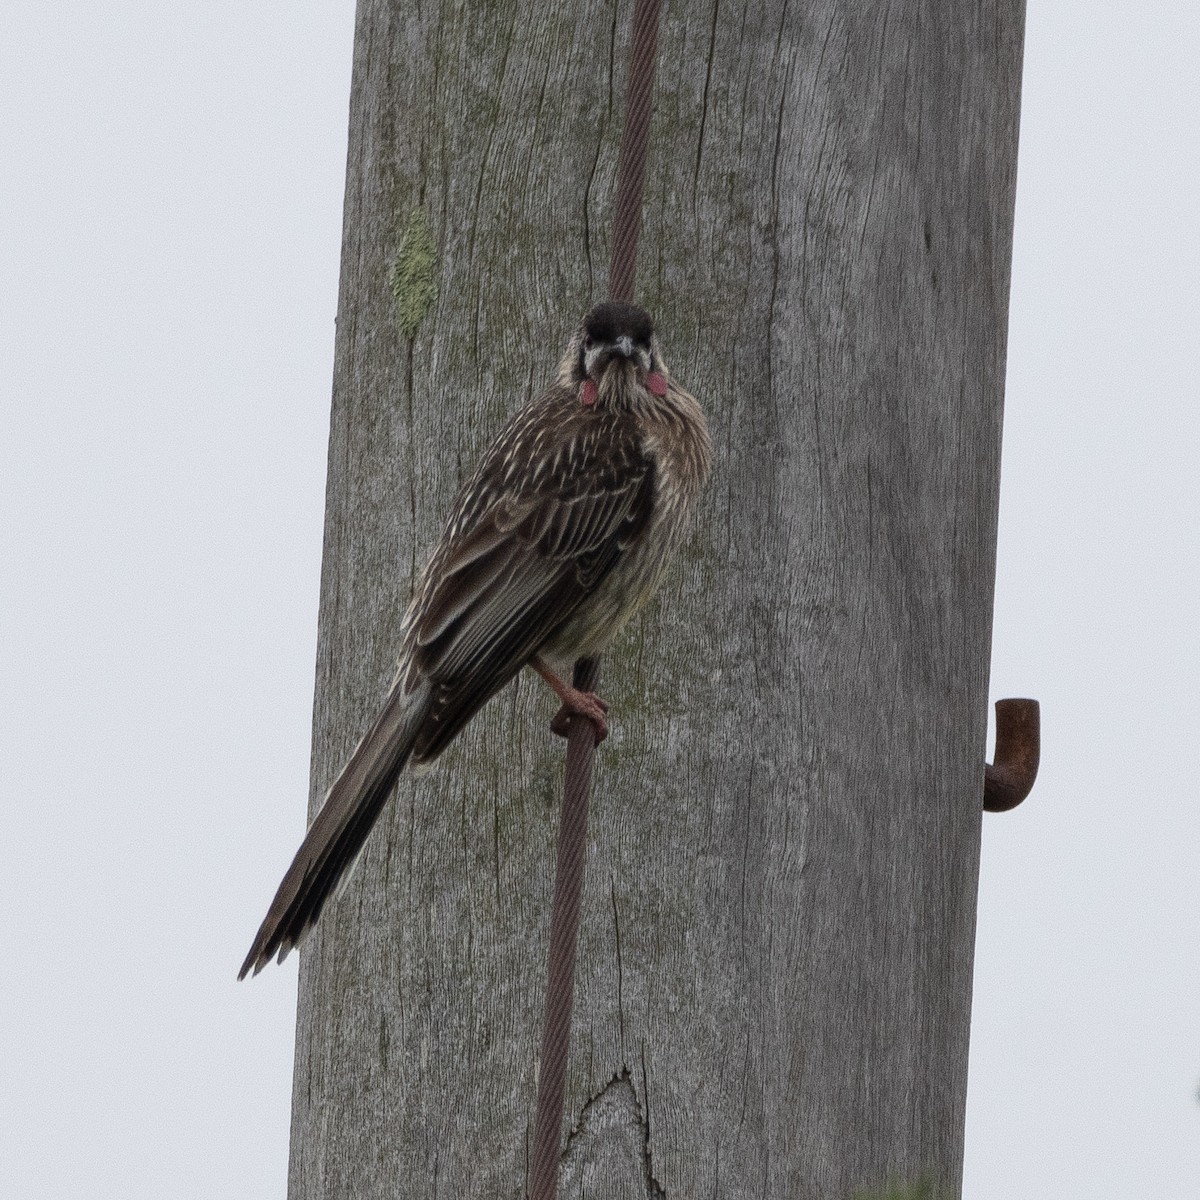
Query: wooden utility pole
(774, 981)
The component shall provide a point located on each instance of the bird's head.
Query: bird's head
(615, 348)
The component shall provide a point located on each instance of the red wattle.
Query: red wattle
(656, 383)
(588, 393)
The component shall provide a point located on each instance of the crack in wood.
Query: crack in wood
(611, 1134)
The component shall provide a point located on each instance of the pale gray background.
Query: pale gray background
(171, 194)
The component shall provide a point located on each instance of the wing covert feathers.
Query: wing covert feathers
(551, 508)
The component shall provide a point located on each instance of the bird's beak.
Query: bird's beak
(625, 345)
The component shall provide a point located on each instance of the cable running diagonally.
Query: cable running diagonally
(572, 834)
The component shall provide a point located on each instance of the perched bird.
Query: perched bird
(558, 538)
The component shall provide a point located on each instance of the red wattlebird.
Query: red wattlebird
(559, 537)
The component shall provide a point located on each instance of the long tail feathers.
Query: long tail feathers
(340, 828)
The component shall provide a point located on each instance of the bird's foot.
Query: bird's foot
(574, 703)
(581, 704)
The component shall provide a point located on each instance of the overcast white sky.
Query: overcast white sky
(172, 182)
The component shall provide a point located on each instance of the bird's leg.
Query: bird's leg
(574, 703)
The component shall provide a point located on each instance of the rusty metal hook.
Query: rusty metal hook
(1009, 779)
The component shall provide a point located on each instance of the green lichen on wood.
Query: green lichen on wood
(414, 285)
(921, 1190)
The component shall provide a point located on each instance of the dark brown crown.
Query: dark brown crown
(611, 320)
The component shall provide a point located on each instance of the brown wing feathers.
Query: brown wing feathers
(483, 623)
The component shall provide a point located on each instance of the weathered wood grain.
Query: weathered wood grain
(775, 972)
